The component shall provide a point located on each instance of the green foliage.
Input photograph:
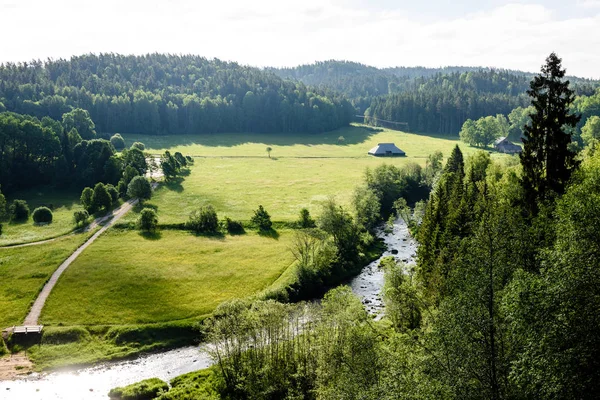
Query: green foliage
(269, 150)
(90, 159)
(1, 227)
(42, 215)
(590, 132)
(233, 227)
(148, 220)
(169, 165)
(204, 220)
(181, 160)
(117, 141)
(305, 221)
(101, 199)
(135, 158)
(367, 209)
(546, 159)
(262, 219)
(2, 206)
(147, 389)
(139, 146)
(86, 199)
(80, 120)
(114, 193)
(140, 188)
(193, 386)
(19, 211)
(80, 217)
(484, 131)
(519, 118)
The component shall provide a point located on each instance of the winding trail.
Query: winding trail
(107, 221)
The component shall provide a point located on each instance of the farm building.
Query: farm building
(503, 145)
(386, 149)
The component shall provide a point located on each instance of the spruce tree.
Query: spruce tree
(547, 161)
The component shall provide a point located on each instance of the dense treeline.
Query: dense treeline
(161, 94)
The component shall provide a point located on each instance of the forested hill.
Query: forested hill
(162, 94)
(432, 100)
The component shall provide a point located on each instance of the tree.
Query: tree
(367, 208)
(468, 133)
(19, 210)
(233, 227)
(305, 221)
(80, 217)
(269, 150)
(546, 159)
(262, 219)
(138, 145)
(140, 188)
(101, 198)
(590, 132)
(341, 140)
(117, 141)
(114, 193)
(204, 220)
(80, 120)
(518, 119)
(135, 158)
(86, 199)
(42, 215)
(148, 220)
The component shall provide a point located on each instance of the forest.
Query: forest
(162, 94)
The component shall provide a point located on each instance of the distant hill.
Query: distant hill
(162, 94)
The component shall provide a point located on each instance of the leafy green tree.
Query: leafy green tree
(139, 188)
(135, 158)
(80, 217)
(139, 146)
(148, 220)
(114, 193)
(402, 304)
(546, 159)
(204, 220)
(269, 150)
(169, 165)
(19, 210)
(306, 221)
(262, 219)
(338, 223)
(101, 198)
(42, 215)
(367, 209)
(590, 132)
(117, 141)
(518, 118)
(469, 133)
(86, 199)
(80, 120)
(180, 159)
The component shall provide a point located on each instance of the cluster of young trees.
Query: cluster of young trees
(484, 131)
(161, 93)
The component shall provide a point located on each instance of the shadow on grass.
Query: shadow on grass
(140, 206)
(210, 235)
(155, 235)
(175, 184)
(271, 233)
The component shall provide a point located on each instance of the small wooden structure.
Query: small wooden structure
(503, 145)
(27, 329)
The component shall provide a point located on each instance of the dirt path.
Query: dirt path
(107, 221)
(14, 365)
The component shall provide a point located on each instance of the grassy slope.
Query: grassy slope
(23, 272)
(64, 204)
(125, 278)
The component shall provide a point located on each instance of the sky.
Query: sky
(517, 34)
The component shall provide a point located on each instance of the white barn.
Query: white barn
(386, 149)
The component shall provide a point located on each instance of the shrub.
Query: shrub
(113, 192)
(86, 199)
(139, 146)
(42, 215)
(306, 220)
(147, 389)
(0, 229)
(2, 206)
(139, 187)
(233, 227)
(204, 220)
(262, 219)
(101, 198)
(80, 217)
(19, 210)
(117, 141)
(148, 220)
(189, 160)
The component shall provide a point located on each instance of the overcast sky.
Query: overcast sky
(515, 34)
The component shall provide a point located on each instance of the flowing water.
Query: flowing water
(95, 382)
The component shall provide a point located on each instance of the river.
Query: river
(95, 382)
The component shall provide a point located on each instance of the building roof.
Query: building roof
(383, 149)
(499, 140)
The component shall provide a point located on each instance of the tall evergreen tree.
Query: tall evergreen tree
(547, 161)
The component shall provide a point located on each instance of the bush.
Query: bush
(306, 220)
(19, 210)
(80, 217)
(139, 187)
(113, 192)
(148, 220)
(86, 199)
(139, 146)
(117, 141)
(262, 219)
(147, 389)
(233, 227)
(42, 215)
(204, 220)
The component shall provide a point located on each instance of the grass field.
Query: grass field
(126, 278)
(63, 204)
(23, 272)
